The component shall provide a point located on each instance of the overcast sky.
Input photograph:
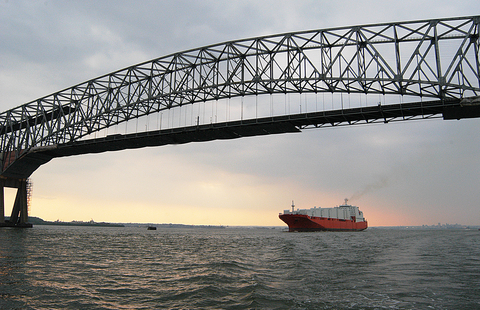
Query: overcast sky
(407, 173)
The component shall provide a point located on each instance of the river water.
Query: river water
(51, 267)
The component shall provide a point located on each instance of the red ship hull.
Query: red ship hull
(302, 222)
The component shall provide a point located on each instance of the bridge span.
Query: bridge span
(386, 72)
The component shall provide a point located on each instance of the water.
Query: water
(50, 267)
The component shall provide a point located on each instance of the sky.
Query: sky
(406, 173)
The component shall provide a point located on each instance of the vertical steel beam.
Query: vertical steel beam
(14, 216)
(398, 76)
(2, 202)
(440, 77)
(24, 202)
(475, 37)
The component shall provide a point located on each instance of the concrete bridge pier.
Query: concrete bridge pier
(19, 215)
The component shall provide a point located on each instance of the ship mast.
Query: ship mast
(346, 200)
(293, 207)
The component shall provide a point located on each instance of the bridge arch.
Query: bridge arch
(434, 62)
(424, 59)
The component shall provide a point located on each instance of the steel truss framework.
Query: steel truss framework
(437, 59)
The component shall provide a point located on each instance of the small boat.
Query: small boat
(151, 228)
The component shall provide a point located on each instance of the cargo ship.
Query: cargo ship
(342, 218)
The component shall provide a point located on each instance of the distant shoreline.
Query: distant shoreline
(38, 221)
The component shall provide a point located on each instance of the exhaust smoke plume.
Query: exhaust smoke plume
(370, 188)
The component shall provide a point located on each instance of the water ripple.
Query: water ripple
(234, 268)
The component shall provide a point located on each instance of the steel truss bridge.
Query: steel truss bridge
(412, 70)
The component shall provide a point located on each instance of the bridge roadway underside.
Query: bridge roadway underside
(28, 163)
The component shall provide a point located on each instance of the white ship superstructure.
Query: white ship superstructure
(344, 212)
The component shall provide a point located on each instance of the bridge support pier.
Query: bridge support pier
(19, 215)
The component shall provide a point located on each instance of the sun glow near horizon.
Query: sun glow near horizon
(246, 214)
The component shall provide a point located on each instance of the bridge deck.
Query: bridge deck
(454, 109)
(269, 125)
